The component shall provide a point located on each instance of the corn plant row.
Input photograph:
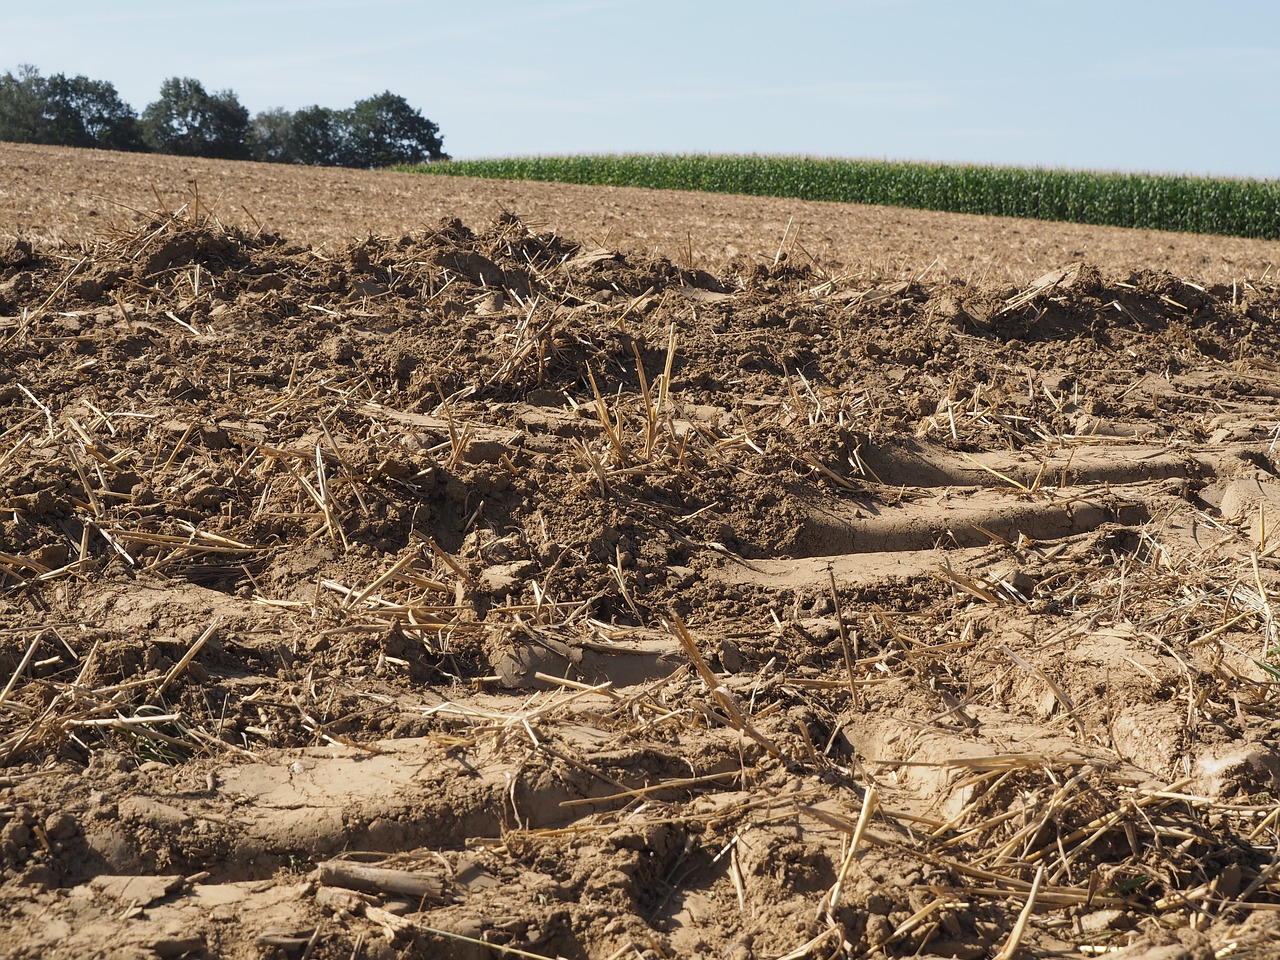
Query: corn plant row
(1236, 207)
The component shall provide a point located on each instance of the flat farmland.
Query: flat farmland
(416, 566)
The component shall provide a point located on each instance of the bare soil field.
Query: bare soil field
(412, 566)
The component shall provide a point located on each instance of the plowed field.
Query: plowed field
(403, 566)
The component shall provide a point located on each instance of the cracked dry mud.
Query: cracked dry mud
(396, 566)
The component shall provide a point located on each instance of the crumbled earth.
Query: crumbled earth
(478, 587)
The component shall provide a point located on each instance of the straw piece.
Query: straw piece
(681, 783)
(1010, 949)
(718, 691)
(1058, 692)
(870, 803)
(495, 947)
(20, 669)
(850, 653)
(176, 670)
(376, 879)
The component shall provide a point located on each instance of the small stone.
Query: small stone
(89, 289)
(730, 656)
(60, 826)
(16, 835)
(879, 930)
(485, 451)
(505, 578)
(143, 891)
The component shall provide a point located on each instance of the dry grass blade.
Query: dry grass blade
(679, 783)
(819, 467)
(395, 569)
(850, 650)
(15, 565)
(870, 802)
(176, 670)
(1010, 949)
(996, 473)
(915, 921)
(1058, 692)
(811, 948)
(650, 411)
(20, 669)
(721, 694)
(966, 584)
(497, 948)
(611, 428)
(48, 414)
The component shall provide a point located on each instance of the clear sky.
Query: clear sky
(1176, 86)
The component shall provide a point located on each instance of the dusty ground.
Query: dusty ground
(415, 566)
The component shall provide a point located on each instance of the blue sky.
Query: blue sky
(1188, 87)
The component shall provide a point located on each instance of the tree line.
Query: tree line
(190, 121)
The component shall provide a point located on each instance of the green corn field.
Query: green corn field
(1244, 208)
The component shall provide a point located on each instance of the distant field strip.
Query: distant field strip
(1244, 208)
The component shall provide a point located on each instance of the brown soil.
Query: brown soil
(402, 566)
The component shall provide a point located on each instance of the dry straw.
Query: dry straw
(1041, 830)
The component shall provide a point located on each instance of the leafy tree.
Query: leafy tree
(271, 136)
(317, 137)
(65, 111)
(90, 113)
(187, 120)
(190, 122)
(22, 101)
(384, 130)
(378, 132)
